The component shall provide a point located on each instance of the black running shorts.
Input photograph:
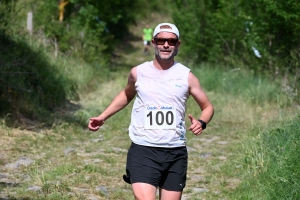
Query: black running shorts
(163, 167)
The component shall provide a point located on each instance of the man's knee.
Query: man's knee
(144, 191)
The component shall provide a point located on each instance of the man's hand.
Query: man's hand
(95, 123)
(196, 126)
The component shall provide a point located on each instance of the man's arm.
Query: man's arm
(206, 107)
(118, 103)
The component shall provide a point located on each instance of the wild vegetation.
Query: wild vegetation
(53, 78)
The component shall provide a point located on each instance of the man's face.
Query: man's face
(166, 45)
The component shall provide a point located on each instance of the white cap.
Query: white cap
(172, 29)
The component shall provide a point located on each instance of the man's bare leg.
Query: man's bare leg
(169, 195)
(144, 191)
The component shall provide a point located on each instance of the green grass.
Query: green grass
(271, 162)
(254, 88)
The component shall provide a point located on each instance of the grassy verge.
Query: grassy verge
(270, 164)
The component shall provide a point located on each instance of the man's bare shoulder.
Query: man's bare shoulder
(133, 74)
(192, 78)
(140, 67)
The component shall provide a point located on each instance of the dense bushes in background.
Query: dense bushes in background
(90, 29)
(261, 34)
(226, 31)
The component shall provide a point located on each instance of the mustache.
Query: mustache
(167, 50)
(174, 51)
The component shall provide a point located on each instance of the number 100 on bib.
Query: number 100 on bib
(160, 119)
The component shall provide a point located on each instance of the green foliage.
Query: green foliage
(274, 21)
(210, 30)
(30, 86)
(90, 29)
(7, 11)
(225, 31)
(28, 82)
(273, 165)
(78, 34)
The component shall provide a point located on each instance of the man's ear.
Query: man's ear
(153, 42)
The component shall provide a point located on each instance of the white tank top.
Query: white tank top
(158, 112)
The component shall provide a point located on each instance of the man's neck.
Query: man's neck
(163, 64)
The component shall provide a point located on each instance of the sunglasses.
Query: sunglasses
(162, 41)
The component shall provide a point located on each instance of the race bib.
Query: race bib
(160, 117)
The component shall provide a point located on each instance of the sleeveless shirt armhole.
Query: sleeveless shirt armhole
(188, 70)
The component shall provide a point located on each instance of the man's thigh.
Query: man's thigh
(169, 195)
(144, 191)
(163, 167)
(143, 165)
(174, 178)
